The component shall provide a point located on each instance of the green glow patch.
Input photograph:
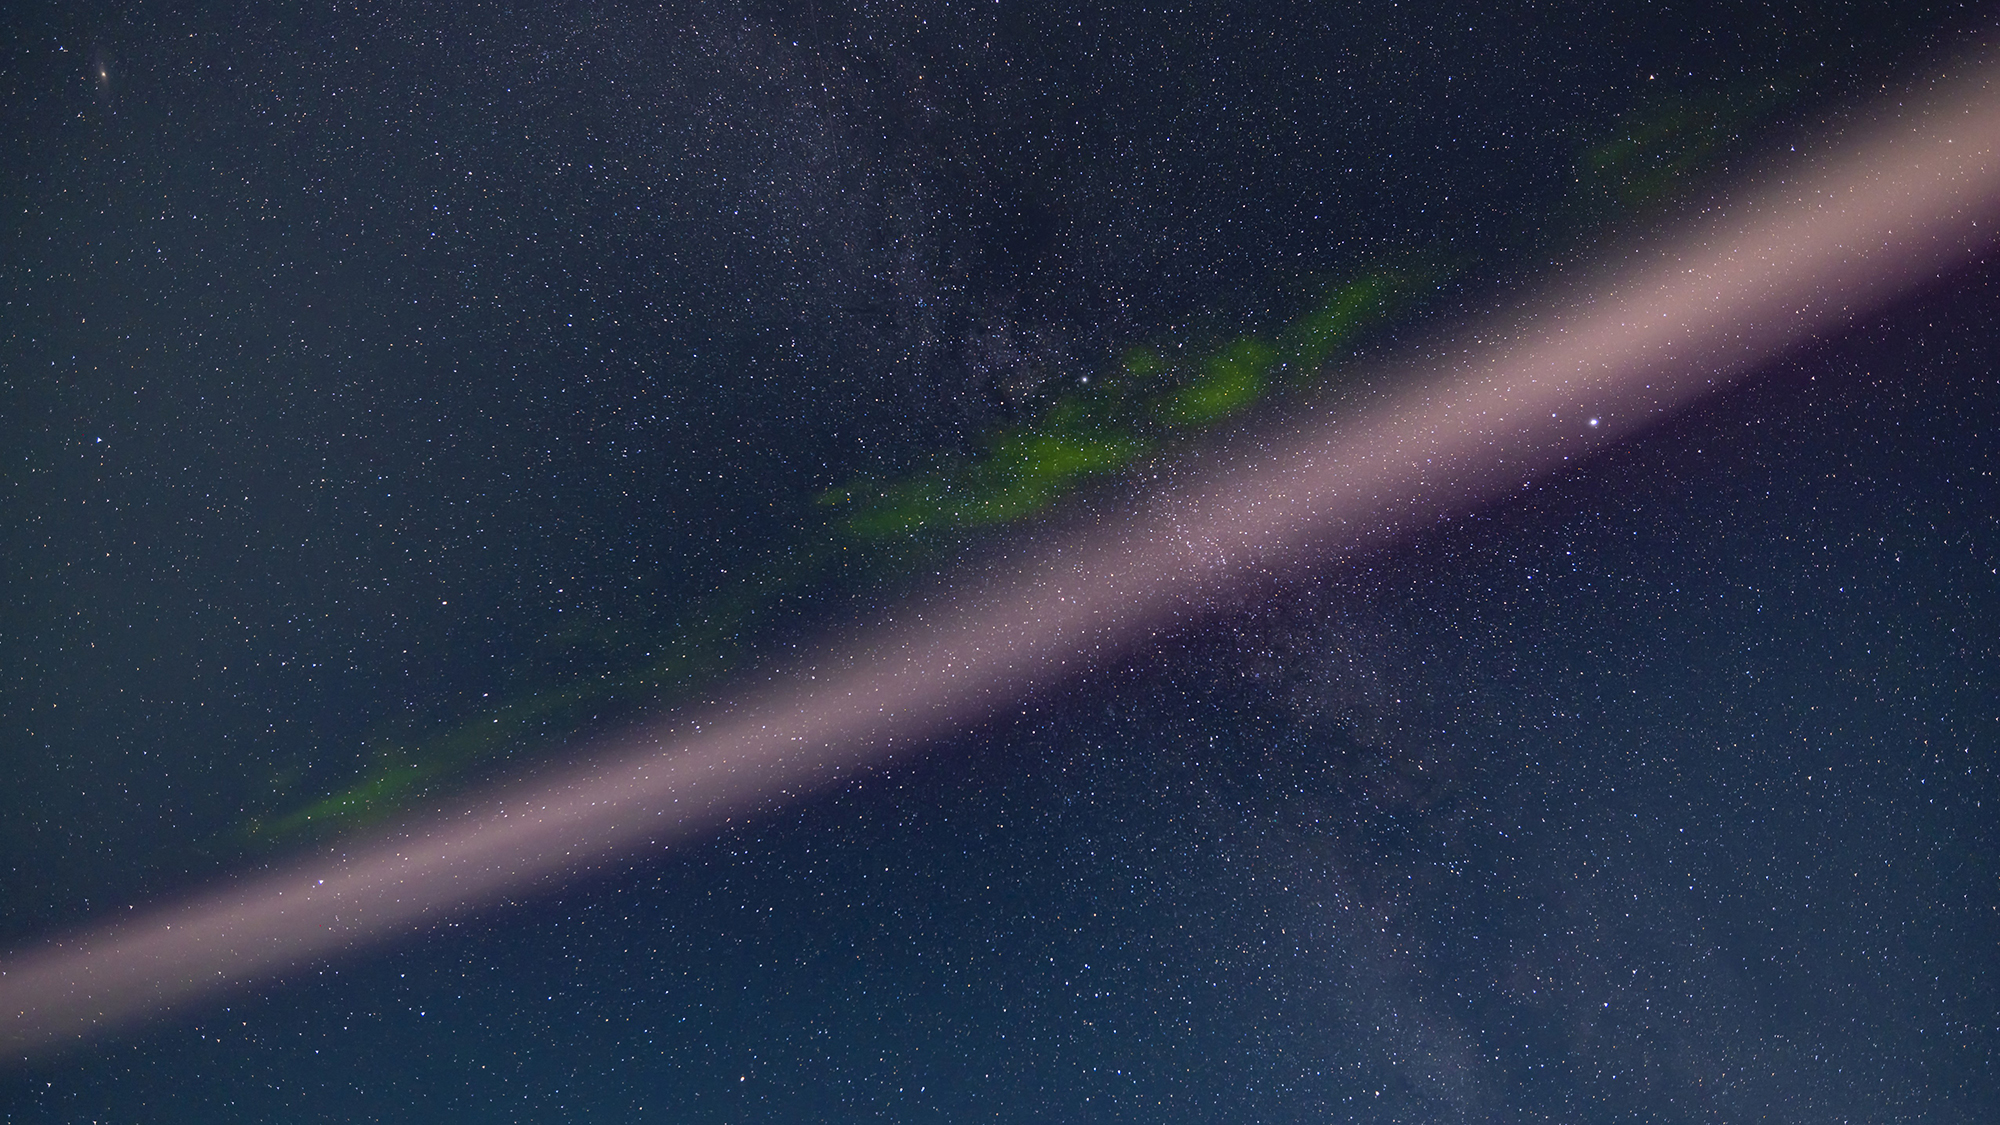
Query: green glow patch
(1144, 400)
(1026, 469)
(1658, 150)
(381, 793)
(1310, 340)
(1023, 473)
(1230, 380)
(403, 768)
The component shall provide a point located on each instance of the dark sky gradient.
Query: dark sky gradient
(360, 365)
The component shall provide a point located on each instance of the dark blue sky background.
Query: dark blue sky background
(360, 364)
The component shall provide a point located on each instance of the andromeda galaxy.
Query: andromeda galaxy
(1827, 234)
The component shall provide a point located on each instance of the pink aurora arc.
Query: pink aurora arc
(1868, 221)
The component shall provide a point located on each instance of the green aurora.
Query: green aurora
(1152, 398)
(1142, 404)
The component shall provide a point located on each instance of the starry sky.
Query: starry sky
(371, 371)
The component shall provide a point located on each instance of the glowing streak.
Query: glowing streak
(1881, 218)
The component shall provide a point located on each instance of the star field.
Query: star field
(362, 369)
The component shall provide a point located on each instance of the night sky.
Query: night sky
(370, 375)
